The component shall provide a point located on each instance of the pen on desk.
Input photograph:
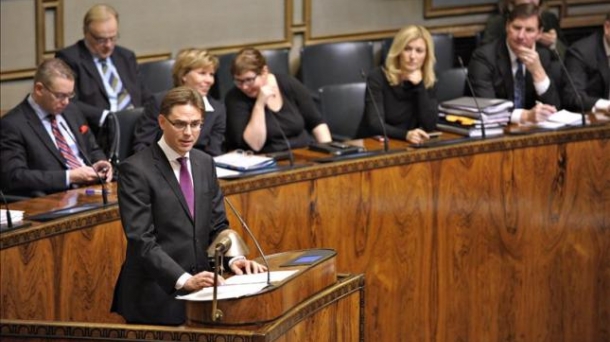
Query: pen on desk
(95, 191)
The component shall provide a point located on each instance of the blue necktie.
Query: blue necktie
(519, 86)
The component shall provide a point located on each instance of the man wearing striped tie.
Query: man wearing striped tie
(106, 74)
(45, 143)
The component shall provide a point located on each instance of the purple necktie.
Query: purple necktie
(186, 185)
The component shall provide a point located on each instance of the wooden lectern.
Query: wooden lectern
(316, 270)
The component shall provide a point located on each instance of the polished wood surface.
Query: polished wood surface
(272, 303)
(503, 239)
(313, 320)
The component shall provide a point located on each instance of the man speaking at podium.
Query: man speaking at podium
(171, 209)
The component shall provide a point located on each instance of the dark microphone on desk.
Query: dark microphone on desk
(80, 151)
(286, 141)
(474, 97)
(377, 112)
(9, 220)
(576, 93)
(258, 246)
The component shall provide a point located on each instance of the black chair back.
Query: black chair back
(451, 84)
(124, 126)
(335, 63)
(342, 106)
(157, 75)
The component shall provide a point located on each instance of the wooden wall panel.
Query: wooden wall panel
(507, 239)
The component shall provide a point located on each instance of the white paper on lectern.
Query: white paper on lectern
(259, 277)
(242, 285)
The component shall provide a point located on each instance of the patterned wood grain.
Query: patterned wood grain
(502, 240)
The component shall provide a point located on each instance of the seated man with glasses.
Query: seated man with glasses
(45, 143)
(106, 74)
(264, 107)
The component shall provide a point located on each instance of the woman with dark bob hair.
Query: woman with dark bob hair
(264, 106)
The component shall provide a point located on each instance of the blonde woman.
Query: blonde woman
(195, 68)
(403, 89)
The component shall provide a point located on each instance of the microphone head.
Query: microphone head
(230, 243)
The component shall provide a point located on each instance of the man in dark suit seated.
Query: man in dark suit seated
(45, 143)
(171, 208)
(517, 69)
(588, 62)
(106, 74)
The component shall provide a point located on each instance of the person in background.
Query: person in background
(516, 68)
(552, 37)
(194, 68)
(106, 74)
(171, 208)
(403, 89)
(263, 106)
(45, 143)
(588, 62)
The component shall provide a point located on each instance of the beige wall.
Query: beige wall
(157, 27)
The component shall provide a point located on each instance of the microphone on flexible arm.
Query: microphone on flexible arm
(286, 141)
(385, 134)
(576, 93)
(101, 181)
(9, 220)
(474, 97)
(258, 246)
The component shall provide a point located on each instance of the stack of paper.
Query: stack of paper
(462, 115)
(241, 161)
(16, 216)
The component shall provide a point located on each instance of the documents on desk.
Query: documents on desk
(463, 116)
(238, 286)
(561, 119)
(243, 161)
(16, 216)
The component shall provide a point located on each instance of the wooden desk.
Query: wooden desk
(504, 239)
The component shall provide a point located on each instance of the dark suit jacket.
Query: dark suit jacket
(491, 75)
(587, 63)
(163, 242)
(31, 163)
(211, 138)
(91, 95)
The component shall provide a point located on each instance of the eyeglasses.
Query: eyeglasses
(182, 125)
(104, 40)
(59, 96)
(248, 81)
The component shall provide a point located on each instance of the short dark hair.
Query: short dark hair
(182, 96)
(525, 11)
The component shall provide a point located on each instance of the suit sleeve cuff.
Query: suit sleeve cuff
(515, 117)
(237, 258)
(182, 280)
(542, 86)
(601, 105)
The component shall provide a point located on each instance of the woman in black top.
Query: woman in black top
(263, 106)
(403, 88)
